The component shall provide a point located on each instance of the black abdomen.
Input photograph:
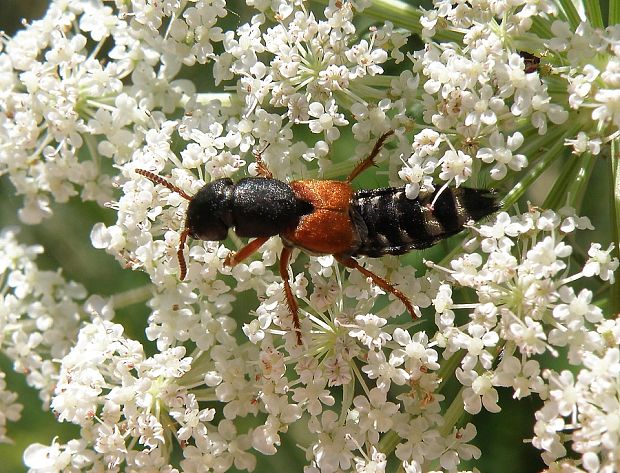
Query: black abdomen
(391, 224)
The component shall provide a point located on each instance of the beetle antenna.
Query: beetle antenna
(184, 234)
(160, 180)
(182, 263)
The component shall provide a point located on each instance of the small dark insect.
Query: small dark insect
(326, 217)
(532, 62)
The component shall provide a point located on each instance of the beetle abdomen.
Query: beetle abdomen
(391, 224)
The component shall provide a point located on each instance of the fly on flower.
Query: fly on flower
(531, 61)
(327, 217)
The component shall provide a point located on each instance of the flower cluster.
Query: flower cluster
(525, 304)
(10, 410)
(526, 307)
(579, 409)
(41, 313)
(494, 92)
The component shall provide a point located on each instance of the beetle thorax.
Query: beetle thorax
(265, 207)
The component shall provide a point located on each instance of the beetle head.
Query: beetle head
(209, 212)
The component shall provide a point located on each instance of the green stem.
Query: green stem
(555, 135)
(225, 98)
(132, 296)
(572, 185)
(403, 15)
(348, 391)
(205, 394)
(541, 28)
(593, 13)
(400, 13)
(448, 368)
(338, 170)
(558, 196)
(580, 187)
(453, 414)
(388, 442)
(91, 144)
(614, 12)
(382, 80)
(570, 12)
(557, 87)
(614, 176)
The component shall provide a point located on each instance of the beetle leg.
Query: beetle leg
(288, 292)
(261, 168)
(370, 160)
(235, 258)
(379, 281)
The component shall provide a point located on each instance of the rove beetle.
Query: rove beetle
(326, 217)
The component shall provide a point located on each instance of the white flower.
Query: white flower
(583, 143)
(456, 165)
(373, 414)
(326, 120)
(43, 458)
(333, 447)
(95, 90)
(572, 221)
(501, 154)
(609, 110)
(601, 263)
(314, 395)
(375, 464)
(459, 448)
(9, 409)
(443, 306)
(369, 331)
(255, 331)
(367, 59)
(191, 418)
(338, 371)
(466, 268)
(576, 308)
(582, 410)
(524, 379)
(479, 391)
(496, 234)
(426, 142)
(335, 77)
(151, 431)
(542, 260)
(385, 371)
(415, 352)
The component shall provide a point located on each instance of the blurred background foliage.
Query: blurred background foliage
(66, 239)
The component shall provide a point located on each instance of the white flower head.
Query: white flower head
(601, 263)
(96, 91)
(456, 165)
(369, 331)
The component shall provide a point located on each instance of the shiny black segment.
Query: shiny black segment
(254, 206)
(265, 207)
(390, 223)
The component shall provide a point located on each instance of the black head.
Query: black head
(209, 214)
